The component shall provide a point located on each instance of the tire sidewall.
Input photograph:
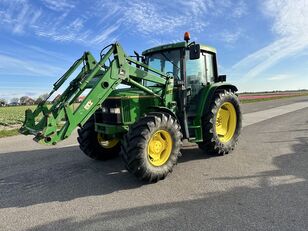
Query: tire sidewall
(173, 155)
(136, 141)
(227, 97)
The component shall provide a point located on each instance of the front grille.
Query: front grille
(111, 103)
(107, 117)
(126, 110)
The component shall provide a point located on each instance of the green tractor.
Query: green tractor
(143, 107)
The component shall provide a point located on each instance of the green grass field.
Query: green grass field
(13, 115)
(10, 118)
(7, 133)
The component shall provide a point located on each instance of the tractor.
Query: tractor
(142, 107)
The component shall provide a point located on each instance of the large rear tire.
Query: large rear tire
(94, 145)
(152, 146)
(222, 124)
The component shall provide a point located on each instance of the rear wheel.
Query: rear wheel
(222, 124)
(152, 146)
(94, 145)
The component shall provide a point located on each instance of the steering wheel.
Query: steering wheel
(170, 72)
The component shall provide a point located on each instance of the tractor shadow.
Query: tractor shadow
(63, 174)
(269, 206)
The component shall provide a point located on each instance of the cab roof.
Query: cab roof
(174, 46)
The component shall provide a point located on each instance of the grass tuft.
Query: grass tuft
(7, 133)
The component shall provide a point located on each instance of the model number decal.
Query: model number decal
(88, 105)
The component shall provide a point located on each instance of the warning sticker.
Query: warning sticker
(88, 105)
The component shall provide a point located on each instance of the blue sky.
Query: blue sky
(262, 44)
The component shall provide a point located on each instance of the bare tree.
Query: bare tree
(26, 100)
(3, 102)
(23, 100)
(15, 100)
(41, 98)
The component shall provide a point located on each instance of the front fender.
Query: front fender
(216, 87)
(162, 109)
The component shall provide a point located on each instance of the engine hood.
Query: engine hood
(134, 93)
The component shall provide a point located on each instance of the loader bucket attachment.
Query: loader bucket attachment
(35, 122)
(52, 123)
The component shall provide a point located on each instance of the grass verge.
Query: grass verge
(6, 133)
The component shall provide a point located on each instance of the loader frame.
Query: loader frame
(58, 121)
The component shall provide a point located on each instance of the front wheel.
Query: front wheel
(152, 146)
(222, 124)
(94, 145)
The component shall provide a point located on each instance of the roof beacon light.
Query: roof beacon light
(186, 36)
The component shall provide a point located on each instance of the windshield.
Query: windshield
(167, 62)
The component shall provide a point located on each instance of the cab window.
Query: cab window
(210, 66)
(165, 61)
(195, 70)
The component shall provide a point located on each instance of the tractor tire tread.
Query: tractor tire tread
(134, 146)
(211, 144)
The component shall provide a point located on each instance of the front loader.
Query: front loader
(143, 107)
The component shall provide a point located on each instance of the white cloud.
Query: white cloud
(290, 23)
(108, 20)
(148, 19)
(240, 9)
(290, 17)
(56, 5)
(26, 67)
(230, 37)
(18, 15)
(197, 7)
(279, 77)
(105, 34)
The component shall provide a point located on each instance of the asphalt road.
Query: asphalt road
(262, 185)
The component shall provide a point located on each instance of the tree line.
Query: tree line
(24, 100)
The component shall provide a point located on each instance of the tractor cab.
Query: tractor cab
(191, 65)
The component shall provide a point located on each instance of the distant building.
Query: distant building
(30, 101)
(80, 99)
(27, 101)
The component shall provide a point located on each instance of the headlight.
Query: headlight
(116, 110)
(104, 109)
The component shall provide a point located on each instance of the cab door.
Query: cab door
(199, 72)
(195, 74)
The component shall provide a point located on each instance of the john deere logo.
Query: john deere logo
(88, 105)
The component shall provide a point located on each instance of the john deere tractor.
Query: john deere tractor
(143, 107)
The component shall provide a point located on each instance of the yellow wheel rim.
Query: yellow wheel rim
(226, 122)
(107, 143)
(159, 148)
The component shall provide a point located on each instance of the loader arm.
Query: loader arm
(51, 124)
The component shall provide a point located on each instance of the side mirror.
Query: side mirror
(194, 51)
(222, 78)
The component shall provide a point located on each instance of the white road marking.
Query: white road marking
(256, 117)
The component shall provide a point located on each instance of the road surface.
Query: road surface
(262, 185)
